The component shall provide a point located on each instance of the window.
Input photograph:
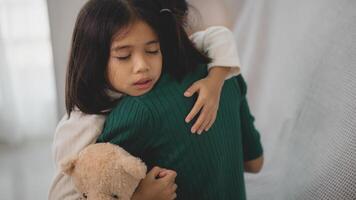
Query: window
(27, 90)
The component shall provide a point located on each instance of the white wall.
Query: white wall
(216, 12)
(27, 91)
(298, 58)
(62, 15)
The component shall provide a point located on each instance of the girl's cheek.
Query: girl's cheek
(158, 61)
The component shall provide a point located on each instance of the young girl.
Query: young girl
(90, 95)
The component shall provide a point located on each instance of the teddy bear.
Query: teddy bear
(104, 171)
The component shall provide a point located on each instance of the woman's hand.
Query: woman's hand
(209, 90)
(159, 184)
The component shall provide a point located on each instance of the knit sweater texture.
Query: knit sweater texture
(208, 166)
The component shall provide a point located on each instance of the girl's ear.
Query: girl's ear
(67, 165)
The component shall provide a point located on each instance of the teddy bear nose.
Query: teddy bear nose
(115, 196)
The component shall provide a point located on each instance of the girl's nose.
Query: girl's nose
(141, 69)
(141, 65)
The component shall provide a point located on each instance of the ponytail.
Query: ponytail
(171, 46)
(180, 56)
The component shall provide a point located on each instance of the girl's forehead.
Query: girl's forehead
(122, 32)
(137, 33)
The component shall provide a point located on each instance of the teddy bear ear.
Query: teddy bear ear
(67, 165)
(135, 167)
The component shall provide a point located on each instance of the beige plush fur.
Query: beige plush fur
(105, 171)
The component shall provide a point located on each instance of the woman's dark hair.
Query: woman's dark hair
(98, 22)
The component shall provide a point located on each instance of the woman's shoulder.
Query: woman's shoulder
(129, 109)
(129, 117)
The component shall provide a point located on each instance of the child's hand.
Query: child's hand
(209, 90)
(159, 184)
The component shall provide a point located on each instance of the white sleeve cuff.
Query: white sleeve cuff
(220, 44)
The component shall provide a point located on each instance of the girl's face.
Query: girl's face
(135, 62)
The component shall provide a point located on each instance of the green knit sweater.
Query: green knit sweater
(208, 166)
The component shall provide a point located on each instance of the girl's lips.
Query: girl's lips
(143, 84)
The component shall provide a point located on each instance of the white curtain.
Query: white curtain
(5, 93)
(299, 59)
(27, 92)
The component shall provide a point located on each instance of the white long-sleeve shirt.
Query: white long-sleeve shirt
(74, 133)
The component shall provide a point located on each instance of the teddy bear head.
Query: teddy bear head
(104, 171)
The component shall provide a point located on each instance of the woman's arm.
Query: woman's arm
(252, 147)
(254, 166)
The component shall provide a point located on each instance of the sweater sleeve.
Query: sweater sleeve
(252, 147)
(129, 126)
(220, 44)
(71, 136)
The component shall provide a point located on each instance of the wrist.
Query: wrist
(219, 74)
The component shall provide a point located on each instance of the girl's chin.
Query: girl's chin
(139, 93)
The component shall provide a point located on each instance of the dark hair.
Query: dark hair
(96, 25)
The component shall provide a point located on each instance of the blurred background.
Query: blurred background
(298, 57)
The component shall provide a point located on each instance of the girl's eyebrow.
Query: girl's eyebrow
(152, 42)
(117, 48)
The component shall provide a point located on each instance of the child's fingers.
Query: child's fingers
(196, 108)
(205, 124)
(211, 122)
(162, 173)
(207, 121)
(174, 196)
(201, 119)
(191, 90)
(174, 188)
(170, 176)
(154, 172)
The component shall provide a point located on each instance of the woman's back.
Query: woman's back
(152, 127)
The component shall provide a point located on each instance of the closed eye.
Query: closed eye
(152, 52)
(123, 57)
